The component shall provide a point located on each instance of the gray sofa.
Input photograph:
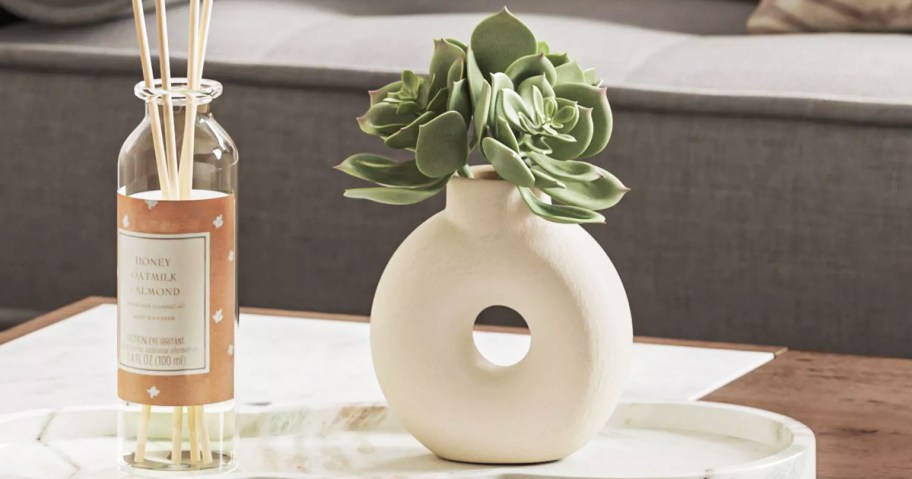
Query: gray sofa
(770, 174)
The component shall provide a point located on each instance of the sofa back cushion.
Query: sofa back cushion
(69, 12)
(788, 16)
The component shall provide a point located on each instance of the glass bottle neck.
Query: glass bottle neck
(181, 109)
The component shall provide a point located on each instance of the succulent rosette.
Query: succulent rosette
(532, 114)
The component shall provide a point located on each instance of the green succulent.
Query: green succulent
(532, 114)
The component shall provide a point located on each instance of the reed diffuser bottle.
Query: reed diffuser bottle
(177, 306)
(177, 301)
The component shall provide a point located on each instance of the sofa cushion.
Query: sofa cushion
(862, 67)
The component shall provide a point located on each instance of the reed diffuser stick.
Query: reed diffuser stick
(177, 425)
(206, 18)
(192, 434)
(142, 433)
(186, 159)
(149, 82)
(164, 58)
(203, 430)
(202, 41)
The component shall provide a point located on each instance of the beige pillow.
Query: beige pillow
(790, 16)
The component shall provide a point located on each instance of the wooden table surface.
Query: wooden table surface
(859, 407)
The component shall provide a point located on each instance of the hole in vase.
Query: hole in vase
(501, 348)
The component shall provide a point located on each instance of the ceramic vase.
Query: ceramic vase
(486, 248)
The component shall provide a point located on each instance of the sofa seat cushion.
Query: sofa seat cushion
(876, 67)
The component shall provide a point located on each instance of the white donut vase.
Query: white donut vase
(486, 248)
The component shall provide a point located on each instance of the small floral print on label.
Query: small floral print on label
(218, 221)
(153, 391)
(231, 255)
(126, 221)
(231, 350)
(151, 203)
(217, 317)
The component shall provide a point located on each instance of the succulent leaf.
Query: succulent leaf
(459, 100)
(539, 81)
(456, 72)
(408, 107)
(499, 40)
(424, 92)
(559, 213)
(499, 82)
(475, 77)
(383, 119)
(567, 124)
(566, 115)
(407, 136)
(551, 111)
(394, 196)
(591, 97)
(453, 41)
(561, 149)
(442, 147)
(376, 96)
(513, 108)
(504, 134)
(410, 82)
(570, 72)
(569, 170)
(543, 48)
(544, 180)
(534, 144)
(530, 66)
(592, 77)
(445, 54)
(438, 104)
(603, 193)
(507, 162)
(538, 105)
(558, 59)
(482, 106)
(385, 171)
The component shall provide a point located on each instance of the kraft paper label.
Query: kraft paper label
(176, 299)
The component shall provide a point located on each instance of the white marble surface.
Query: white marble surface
(683, 440)
(295, 361)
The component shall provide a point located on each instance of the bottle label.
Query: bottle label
(176, 299)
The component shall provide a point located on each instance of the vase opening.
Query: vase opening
(496, 351)
(484, 172)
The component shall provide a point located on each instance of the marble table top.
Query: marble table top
(285, 360)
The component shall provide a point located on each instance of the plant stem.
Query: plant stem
(466, 171)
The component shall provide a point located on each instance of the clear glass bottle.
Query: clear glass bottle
(177, 288)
